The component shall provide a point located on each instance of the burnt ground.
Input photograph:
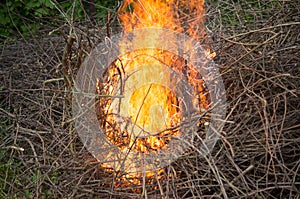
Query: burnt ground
(257, 156)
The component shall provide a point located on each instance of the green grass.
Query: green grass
(26, 17)
(8, 171)
(247, 13)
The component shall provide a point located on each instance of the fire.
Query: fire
(169, 14)
(148, 13)
(150, 113)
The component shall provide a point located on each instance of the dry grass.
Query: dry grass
(258, 155)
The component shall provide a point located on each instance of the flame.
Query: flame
(210, 54)
(152, 111)
(169, 14)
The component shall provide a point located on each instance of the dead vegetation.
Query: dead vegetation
(257, 156)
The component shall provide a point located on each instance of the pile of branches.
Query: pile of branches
(257, 156)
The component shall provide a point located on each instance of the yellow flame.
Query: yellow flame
(169, 14)
(150, 107)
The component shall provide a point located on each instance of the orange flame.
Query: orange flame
(152, 108)
(170, 14)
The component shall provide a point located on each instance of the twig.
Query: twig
(266, 28)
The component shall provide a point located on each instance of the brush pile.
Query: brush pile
(257, 49)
